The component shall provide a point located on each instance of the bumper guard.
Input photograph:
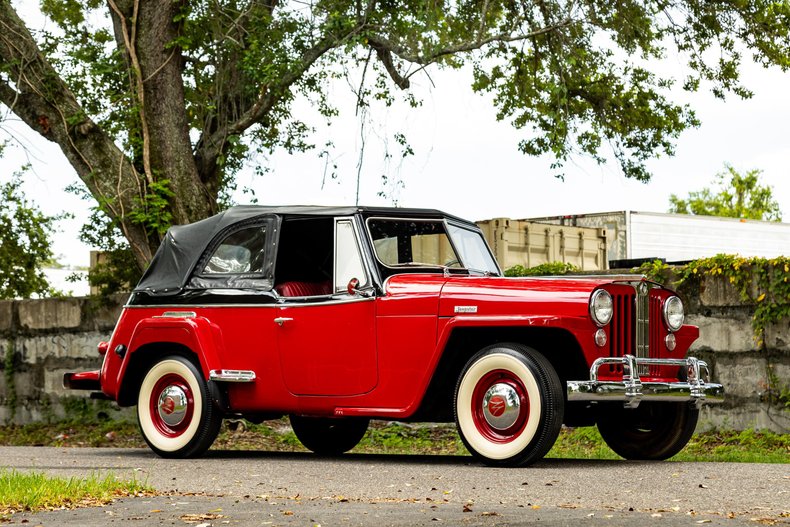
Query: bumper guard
(631, 390)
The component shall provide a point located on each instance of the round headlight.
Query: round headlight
(673, 313)
(601, 307)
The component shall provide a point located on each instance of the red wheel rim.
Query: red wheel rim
(171, 400)
(506, 380)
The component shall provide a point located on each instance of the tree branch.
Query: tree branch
(129, 39)
(41, 99)
(425, 59)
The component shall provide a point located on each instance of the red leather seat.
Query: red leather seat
(303, 288)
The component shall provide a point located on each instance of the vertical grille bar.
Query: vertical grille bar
(642, 321)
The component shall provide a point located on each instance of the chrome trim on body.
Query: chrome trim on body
(631, 390)
(177, 314)
(642, 329)
(282, 301)
(232, 375)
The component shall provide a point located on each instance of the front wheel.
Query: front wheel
(329, 436)
(651, 431)
(174, 409)
(508, 405)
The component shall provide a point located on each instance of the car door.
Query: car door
(327, 342)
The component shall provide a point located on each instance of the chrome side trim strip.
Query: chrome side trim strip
(177, 314)
(232, 375)
(292, 301)
(348, 300)
(631, 390)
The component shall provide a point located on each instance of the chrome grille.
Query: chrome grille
(630, 326)
(642, 324)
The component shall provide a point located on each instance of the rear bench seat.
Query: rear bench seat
(295, 288)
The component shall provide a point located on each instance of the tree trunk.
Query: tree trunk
(34, 91)
(146, 34)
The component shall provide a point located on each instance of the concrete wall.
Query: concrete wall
(49, 337)
(753, 378)
(39, 341)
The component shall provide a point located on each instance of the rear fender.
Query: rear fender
(197, 334)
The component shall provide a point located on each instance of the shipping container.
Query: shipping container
(681, 237)
(520, 242)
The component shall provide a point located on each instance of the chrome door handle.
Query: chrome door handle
(282, 320)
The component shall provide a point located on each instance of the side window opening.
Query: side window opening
(304, 257)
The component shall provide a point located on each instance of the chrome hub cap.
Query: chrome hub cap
(501, 406)
(172, 405)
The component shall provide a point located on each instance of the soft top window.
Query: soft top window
(239, 260)
(241, 252)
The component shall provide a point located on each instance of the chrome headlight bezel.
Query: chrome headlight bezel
(601, 307)
(674, 313)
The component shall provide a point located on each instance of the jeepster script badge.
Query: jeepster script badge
(466, 309)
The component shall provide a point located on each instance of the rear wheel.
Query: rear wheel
(174, 409)
(508, 405)
(651, 431)
(329, 436)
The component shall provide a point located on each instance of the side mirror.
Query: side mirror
(353, 286)
(353, 289)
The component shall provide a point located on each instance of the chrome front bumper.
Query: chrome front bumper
(631, 390)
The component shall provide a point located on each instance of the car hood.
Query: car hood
(500, 296)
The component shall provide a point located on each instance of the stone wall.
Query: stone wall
(49, 337)
(39, 341)
(754, 376)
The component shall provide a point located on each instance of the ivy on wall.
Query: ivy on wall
(761, 282)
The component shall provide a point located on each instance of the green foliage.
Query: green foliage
(736, 196)
(761, 282)
(573, 77)
(778, 390)
(116, 271)
(747, 446)
(547, 269)
(25, 244)
(32, 491)
(402, 438)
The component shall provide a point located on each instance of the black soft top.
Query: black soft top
(183, 245)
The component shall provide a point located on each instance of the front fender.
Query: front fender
(575, 325)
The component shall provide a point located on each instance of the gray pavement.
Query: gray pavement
(260, 488)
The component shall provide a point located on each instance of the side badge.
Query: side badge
(466, 309)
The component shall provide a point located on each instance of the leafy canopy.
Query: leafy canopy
(734, 195)
(25, 244)
(158, 105)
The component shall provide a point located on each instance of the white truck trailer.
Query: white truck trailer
(680, 237)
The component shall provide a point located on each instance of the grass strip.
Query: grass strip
(748, 446)
(34, 491)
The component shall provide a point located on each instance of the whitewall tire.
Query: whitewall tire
(174, 409)
(508, 405)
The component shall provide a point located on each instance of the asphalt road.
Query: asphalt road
(258, 488)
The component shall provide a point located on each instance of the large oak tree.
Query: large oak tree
(157, 103)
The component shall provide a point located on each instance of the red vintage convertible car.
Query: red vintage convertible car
(335, 316)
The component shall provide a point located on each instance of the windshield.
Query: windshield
(474, 250)
(403, 243)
